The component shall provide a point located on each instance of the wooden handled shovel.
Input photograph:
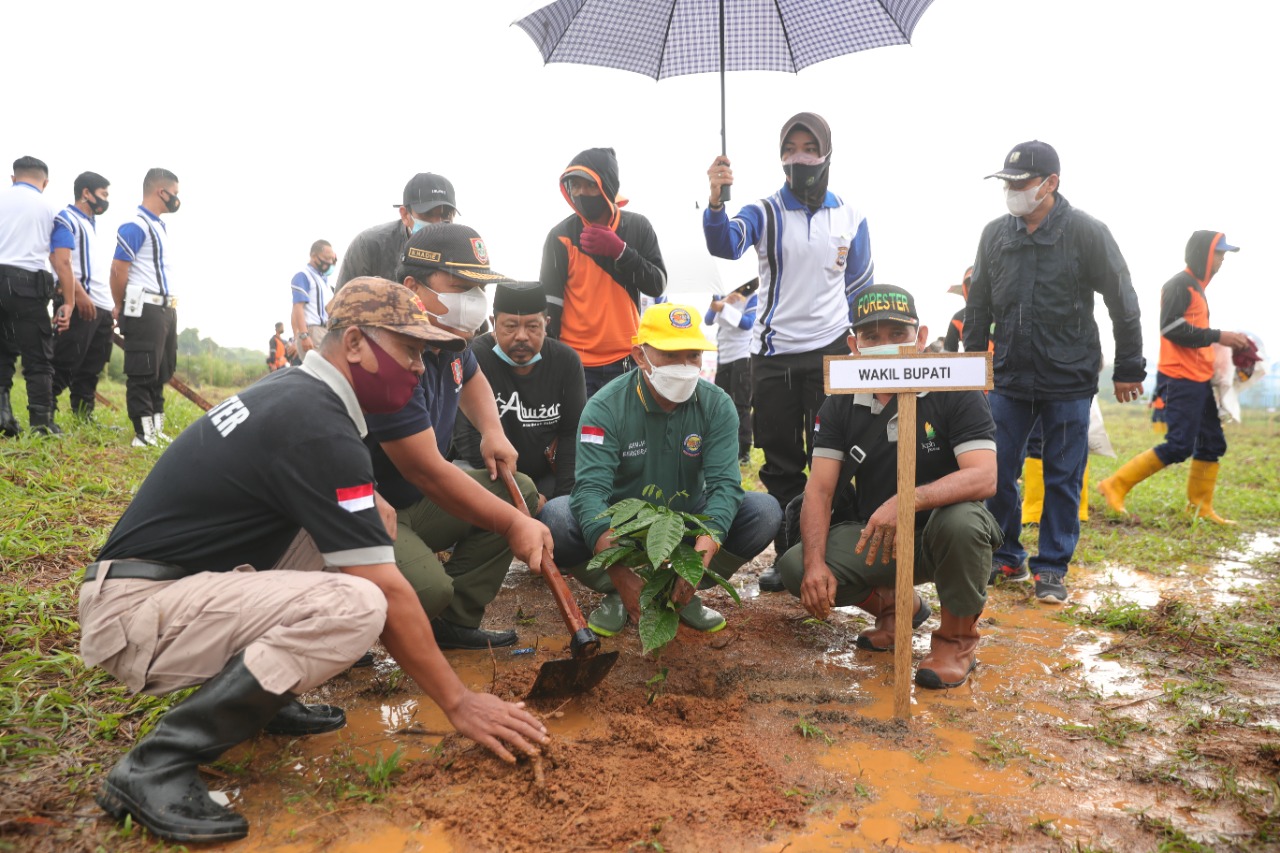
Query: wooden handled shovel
(588, 667)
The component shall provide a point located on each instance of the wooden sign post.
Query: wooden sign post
(906, 375)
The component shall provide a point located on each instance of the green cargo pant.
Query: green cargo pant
(460, 589)
(953, 551)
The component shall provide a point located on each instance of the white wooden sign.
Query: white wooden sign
(883, 374)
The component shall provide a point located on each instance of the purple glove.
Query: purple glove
(602, 241)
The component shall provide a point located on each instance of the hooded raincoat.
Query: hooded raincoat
(593, 302)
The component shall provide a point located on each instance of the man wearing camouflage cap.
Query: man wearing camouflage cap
(660, 424)
(179, 595)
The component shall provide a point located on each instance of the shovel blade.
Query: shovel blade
(559, 678)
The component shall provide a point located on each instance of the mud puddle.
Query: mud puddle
(775, 733)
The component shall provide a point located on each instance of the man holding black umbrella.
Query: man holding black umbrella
(815, 258)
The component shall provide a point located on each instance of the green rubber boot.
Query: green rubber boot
(702, 618)
(610, 617)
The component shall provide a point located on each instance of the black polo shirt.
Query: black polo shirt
(948, 423)
(235, 487)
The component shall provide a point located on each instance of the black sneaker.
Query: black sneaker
(771, 580)
(1001, 572)
(452, 636)
(1050, 588)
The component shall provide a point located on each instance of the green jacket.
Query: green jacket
(626, 442)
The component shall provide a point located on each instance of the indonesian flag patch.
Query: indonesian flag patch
(592, 435)
(356, 498)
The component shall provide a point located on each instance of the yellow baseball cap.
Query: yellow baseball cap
(672, 328)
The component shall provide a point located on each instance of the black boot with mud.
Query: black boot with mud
(299, 720)
(158, 782)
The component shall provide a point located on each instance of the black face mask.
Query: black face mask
(808, 183)
(592, 207)
(98, 205)
(172, 203)
(322, 267)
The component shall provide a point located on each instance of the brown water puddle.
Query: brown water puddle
(985, 764)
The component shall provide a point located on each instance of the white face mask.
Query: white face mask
(675, 382)
(883, 349)
(465, 311)
(1022, 202)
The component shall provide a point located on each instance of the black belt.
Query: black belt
(138, 569)
(18, 273)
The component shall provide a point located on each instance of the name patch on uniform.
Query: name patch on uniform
(423, 255)
(356, 498)
(842, 255)
(592, 435)
(692, 444)
(228, 415)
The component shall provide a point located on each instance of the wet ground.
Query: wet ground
(778, 733)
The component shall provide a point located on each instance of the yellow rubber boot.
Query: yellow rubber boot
(1201, 483)
(1032, 490)
(1130, 474)
(1084, 494)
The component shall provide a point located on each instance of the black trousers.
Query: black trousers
(735, 378)
(79, 354)
(792, 390)
(150, 357)
(26, 330)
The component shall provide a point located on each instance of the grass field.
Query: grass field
(61, 726)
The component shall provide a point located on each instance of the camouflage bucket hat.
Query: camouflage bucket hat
(386, 305)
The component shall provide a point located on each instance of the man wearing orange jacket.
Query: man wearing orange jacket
(595, 265)
(1186, 374)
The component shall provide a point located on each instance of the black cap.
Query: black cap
(427, 191)
(519, 297)
(456, 249)
(1034, 159)
(882, 302)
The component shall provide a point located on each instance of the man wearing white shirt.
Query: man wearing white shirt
(734, 316)
(146, 308)
(84, 347)
(26, 286)
(311, 294)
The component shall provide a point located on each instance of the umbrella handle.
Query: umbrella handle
(583, 642)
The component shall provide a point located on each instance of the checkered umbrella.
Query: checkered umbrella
(666, 38)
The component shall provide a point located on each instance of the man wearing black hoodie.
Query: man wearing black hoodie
(595, 265)
(1186, 375)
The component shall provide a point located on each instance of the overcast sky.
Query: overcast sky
(289, 122)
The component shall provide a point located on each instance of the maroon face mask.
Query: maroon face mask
(386, 391)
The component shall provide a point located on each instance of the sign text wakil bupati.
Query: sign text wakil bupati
(856, 374)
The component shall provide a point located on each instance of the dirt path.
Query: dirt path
(777, 733)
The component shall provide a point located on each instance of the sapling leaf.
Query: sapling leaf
(664, 536)
(687, 563)
(728, 587)
(609, 556)
(658, 627)
(632, 528)
(623, 511)
(657, 586)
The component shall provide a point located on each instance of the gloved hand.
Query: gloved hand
(602, 241)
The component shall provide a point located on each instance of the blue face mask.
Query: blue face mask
(418, 225)
(497, 350)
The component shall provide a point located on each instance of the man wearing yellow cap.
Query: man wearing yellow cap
(660, 424)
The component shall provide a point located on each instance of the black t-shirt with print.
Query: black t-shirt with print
(945, 421)
(235, 487)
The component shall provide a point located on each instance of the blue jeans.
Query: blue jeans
(1195, 429)
(598, 377)
(1065, 450)
(752, 530)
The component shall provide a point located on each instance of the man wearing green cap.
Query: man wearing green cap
(852, 563)
(660, 424)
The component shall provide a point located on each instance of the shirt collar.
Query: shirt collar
(79, 212)
(28, 186)
(318, 366)
(876, 407)
(790, 202)
(149, 214)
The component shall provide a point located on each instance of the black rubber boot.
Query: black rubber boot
(9, 426)
(297, 719)
(42, 421)
(157, 781)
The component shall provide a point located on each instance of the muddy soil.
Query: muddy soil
(776, 733)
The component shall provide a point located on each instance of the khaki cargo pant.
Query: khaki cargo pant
(297, 625)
